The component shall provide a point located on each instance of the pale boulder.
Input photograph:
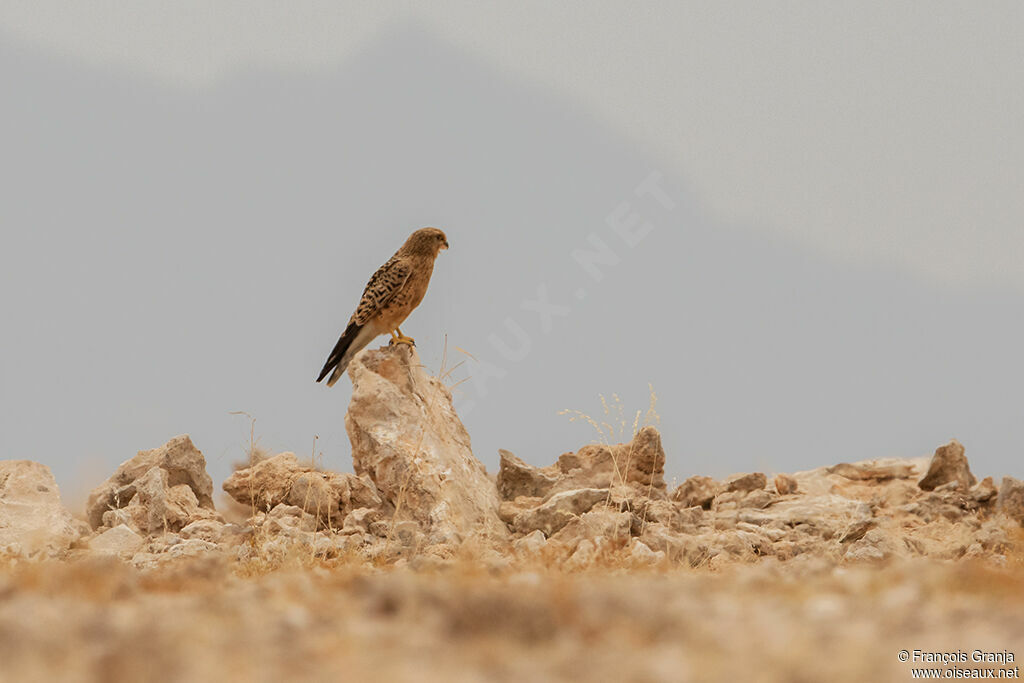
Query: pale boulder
(181, 464)
(1011, 499)
(33, 522)
(407, 438)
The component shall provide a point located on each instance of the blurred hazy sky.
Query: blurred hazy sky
(802, 223)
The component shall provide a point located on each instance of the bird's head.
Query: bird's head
(427, 241)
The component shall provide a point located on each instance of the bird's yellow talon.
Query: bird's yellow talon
(398, 338)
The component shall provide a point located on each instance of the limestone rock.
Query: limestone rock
(282, 480)
(597, 523)
(407, 438)
(192, 547)
(315, 492)
(182, 464)
(359, 520)
(627, 477)
(165, 507)
(408, 534)
(556, 512)
(33, 522)
(754, 481)
(583, 556)
(856, 531)
(984, 492)
(677, 548)
(279, 531)
(874, 470)
(121, 541)
(697, 491)
(639, 464)
(264, 484)
(731, 500)
(949, 464)
(672, 515)
(825, 516)
(642, 555)
(530, 545)
(785, 485)
(508, 510)
(1011, 499)
(516, 478)
(213, 531)
(156, 507)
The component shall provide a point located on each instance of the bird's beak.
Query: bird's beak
(444, 245)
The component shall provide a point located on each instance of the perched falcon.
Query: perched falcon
(393, 292)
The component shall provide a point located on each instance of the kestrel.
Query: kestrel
(393, 292)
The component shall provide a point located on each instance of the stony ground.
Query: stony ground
(194, 620)
(421, 565)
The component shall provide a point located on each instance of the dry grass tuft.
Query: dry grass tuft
(615, 427)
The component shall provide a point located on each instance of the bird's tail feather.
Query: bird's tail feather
(338, 352)
(354, 340)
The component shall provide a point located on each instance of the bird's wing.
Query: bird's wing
(381, 289)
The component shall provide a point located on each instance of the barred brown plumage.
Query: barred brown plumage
(392, 293)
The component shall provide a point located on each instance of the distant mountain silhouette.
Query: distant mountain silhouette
(172, 255)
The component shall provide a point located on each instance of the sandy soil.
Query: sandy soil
(328, 621)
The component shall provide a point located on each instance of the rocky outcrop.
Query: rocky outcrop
(420, 497)
(948, 465)
(407, 438)
(159, 490)
(866, 511)
(33, 522)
